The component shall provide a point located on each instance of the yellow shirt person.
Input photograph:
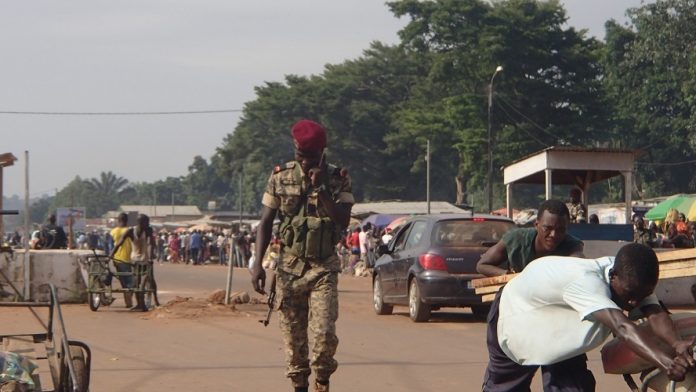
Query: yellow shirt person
(123, 254)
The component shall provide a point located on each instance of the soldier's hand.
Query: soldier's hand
(316, 174)
(258, 280)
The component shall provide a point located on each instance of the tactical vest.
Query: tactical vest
(304, 236)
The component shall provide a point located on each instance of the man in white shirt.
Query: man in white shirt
(561, 307)
(387, 236)
(363, 243)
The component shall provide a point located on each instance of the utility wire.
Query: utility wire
(522, 128)
(166, 113)
(666, 163)
(527, 118)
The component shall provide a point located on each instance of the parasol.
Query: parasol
(683, 203)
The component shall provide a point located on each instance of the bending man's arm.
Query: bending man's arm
(645, 344)
(490, 262)
(662, 326)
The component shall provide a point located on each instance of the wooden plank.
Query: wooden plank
(488, 298)
(680, 254)
(678, 273)
(492, 281)
(488, 289)
(672, 265)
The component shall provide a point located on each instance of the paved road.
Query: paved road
(233, 352)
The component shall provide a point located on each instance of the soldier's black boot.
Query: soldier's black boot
(301, 389)
(321, 386)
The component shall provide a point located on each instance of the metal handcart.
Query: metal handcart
(101, 274)
(69, 361)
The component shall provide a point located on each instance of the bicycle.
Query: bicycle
(100, 278)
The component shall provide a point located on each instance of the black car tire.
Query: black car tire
(378, 299)
(481, 311)
(417, 310)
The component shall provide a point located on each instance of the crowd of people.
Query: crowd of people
(194, 247)
(360, 244)
(675, 232)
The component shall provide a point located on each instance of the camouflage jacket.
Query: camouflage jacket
(287, 187)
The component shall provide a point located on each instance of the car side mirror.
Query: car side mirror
(382, 250)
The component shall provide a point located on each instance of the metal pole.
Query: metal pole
(173, 220)
(489, 177)
(230, 274)
(27, 259)
(241, 173)
(427, 175)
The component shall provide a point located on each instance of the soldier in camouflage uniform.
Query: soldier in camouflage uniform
(578, 212)
(314, 202)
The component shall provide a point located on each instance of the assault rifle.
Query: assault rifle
(271, 302)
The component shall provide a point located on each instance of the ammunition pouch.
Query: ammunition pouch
(309, 237)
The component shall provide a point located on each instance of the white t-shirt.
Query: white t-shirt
(363, 242)
(545, 312)
(386, 238)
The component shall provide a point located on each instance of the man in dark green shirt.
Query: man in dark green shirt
(517, 249)
(520, 247)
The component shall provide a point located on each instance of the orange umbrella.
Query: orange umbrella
(396, 223)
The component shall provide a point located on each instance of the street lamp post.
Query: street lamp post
(489, 180)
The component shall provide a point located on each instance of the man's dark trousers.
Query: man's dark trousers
(505, 375)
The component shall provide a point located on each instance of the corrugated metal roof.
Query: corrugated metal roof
(163, 210)
(405, 208)
(578, 149)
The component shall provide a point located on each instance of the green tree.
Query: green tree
(650, 69)
(548, 94)
(105, 191)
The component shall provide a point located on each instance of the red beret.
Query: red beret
(309, 136)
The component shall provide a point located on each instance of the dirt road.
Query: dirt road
(218, 349)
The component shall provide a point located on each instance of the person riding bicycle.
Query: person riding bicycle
(143, 246)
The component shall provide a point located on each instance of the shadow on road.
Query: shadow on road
(450, 317)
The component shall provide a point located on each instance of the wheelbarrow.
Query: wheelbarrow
(618, 358)
(68, 360)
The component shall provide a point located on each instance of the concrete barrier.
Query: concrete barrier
(60, 267)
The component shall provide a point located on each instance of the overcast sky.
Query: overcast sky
(174, 55)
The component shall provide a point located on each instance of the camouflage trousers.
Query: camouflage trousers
(309, 301)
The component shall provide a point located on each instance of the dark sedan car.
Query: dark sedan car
(429, 262)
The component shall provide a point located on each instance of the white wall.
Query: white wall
(60, 267)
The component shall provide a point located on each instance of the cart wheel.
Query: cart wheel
(93, 296)
(94, 301)
(148, 289)
(80, 366)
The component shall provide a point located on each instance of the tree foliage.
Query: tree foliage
(650, 69)
(558, 87)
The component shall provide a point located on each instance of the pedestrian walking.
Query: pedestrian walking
(315, 198)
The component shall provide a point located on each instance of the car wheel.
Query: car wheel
(481, 311)
(417, 310)
(378, 298)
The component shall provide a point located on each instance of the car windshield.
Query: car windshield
(469, 232)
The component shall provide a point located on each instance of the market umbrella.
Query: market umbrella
(379, 220)
(396, 223)
(682, 203)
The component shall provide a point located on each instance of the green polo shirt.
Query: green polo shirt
(519, 245)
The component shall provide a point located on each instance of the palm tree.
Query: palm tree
(108, 184)
(106, 192)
